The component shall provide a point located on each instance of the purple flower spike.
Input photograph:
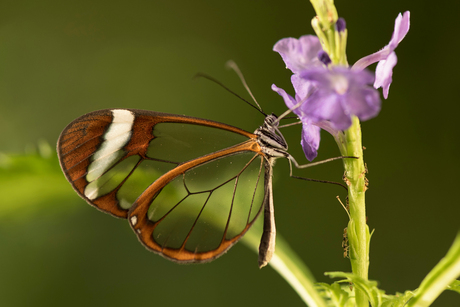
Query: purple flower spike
(386, 57)
(340, 93)
(328, 96)
(299, 54)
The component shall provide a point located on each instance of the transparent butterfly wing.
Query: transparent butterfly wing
(111, 156)
(196, 213)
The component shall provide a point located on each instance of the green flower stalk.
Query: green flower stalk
(358, 231)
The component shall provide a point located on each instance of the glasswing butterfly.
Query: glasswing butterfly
(207, 181)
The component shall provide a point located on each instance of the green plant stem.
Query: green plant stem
(443, 274)
(358, 232)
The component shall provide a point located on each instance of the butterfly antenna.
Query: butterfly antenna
(202, 75)
(232, 65)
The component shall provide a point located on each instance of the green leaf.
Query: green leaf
(374, 294)
(398, 300)
(441, 277)
(31, 182)
(337, 294)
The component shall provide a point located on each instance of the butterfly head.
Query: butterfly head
(270, 138)
(271, 121)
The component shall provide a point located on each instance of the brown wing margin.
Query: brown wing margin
(83, 137)
(144, 227)
(76, 145)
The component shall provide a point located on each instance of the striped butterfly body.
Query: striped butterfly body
(189, 187)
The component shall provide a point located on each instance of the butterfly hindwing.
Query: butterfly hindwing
(211, 203)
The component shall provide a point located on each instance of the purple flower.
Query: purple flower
(386, 57)
(327, 99)
(299, 54)
(340, 93)
(323, 98)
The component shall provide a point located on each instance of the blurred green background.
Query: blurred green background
(61, 59)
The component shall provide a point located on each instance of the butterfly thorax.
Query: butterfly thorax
(270, 138)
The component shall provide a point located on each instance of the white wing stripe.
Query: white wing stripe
(118, 135)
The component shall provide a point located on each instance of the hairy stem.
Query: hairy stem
(358, 232)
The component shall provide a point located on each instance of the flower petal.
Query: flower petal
(288, 100)
(303, 88)
(299, 54)
(327, 125)
(324, 106)
(310, 140)
(365, 104)
(402, 25)
(384, 74)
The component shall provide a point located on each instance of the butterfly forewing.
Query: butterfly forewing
(189, 141)
(111, 156)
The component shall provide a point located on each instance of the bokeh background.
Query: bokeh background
(61, 59)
